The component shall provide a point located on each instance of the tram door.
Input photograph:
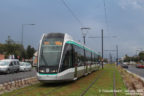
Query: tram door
(75, 73)
(70, 56)
(74, 59)
(67, 61)
(85, 64)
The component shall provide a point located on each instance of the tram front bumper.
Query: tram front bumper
(54, 77)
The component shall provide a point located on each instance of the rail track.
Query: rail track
(114, 84)
(90, 85)
(52, 89)
(23, 91)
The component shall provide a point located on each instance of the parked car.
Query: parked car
(139, 66)
(124, 65)
(9, 65)
(25, 66)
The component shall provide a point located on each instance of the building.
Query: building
(35, 58)
(2, 56)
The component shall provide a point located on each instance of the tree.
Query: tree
(141, 55)
(12, 48)
(1, 48)
(127, 58)
(30, 52)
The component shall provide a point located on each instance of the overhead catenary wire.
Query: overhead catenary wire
(105, 12)
(72, 13)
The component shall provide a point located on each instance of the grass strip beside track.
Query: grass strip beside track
(103, 83)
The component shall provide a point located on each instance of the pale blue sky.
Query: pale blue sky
(125, 20)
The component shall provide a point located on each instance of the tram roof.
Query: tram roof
(69, 40)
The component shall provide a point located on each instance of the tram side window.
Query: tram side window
(98, 59)
(67, 57)
(87, 57)
(78, 56)
(95, 58)
(91, 58)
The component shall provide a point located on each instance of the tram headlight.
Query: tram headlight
(42, 71)
(54, 71)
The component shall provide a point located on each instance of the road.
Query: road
(138, 71)
(16, 76)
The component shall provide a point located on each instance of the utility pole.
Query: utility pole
(102, 46)
(110, 58)
(102, 49)
(84, 39)
(102, 43)
(117, 54)
(22, 35)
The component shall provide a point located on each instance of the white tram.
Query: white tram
(60, 58)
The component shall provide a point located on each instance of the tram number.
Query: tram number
(58, 43)
(46, 43)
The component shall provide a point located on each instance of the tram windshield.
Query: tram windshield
(50, 52)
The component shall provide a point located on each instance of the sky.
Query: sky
(124, 19)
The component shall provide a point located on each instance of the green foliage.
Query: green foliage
(29, 52)
(127, 58)
(141, 55)
(134, 58)
(1, 48)
(12, 48)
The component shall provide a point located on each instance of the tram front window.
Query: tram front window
(50, 55)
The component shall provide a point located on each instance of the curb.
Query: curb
(135, 75)
(10, 86)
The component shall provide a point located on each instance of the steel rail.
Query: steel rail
(49, 92)
(85, 91)
(53, 90)
(114, 84)
(23, 91)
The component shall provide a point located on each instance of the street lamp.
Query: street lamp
(101, 45)
(23, 31)
(84, 33)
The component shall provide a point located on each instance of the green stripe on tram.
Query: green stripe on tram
(72, 42)
(47, 74)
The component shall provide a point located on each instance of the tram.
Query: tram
(60, 59)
